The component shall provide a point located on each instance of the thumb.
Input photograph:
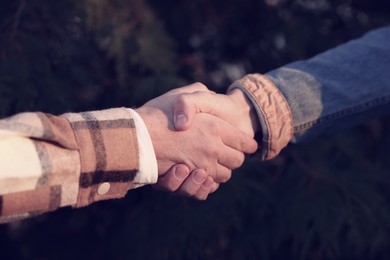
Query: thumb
(184, 111)
(188, 105)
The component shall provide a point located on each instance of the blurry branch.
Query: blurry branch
(18, 14)
(132, 36)
(311, 174)
(10, 22)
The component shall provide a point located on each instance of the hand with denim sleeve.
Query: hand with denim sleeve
(297, 102)
(234, 108)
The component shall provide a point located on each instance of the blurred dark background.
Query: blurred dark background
(325, 200)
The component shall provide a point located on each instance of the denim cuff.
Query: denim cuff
(272, 110)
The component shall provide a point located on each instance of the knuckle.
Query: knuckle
(201, 197)
(186, 193)
(200, 86)
(241, 159)
(212, 171)
(252, 146)
(170, 187)
(241, 143)
(212, 152)
(238, 161)
(248, 145)
(214, 187)
(213, 128)
(182, 99)
(223, 178)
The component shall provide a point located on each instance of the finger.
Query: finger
(222, 175)
(234, 143)
(214, 187)
(193, 183)
(184, 111)
(237, 139)
(205, 189)
(231, 158)
(174, 178)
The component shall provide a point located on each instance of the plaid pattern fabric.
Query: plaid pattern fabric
(75, 159)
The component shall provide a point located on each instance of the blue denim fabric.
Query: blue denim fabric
(339, 88)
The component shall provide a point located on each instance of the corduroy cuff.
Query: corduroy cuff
(272, 110)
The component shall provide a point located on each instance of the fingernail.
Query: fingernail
(180, 119)
(180, 173)
(199, 177)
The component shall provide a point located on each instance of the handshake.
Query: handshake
(199, 137)
(189, 141)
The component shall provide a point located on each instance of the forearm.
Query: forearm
(49, 162)
(337, 89)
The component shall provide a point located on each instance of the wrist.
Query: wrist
(147, 172)
(154, 119)
(249, 119)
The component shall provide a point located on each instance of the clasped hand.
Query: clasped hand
(199, 137)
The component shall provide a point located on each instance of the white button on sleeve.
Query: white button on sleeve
(103, 188)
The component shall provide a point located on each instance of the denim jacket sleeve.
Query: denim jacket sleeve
(339, 88)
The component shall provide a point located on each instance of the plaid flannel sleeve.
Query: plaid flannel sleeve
(74, 159)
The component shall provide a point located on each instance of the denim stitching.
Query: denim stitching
(343, 113)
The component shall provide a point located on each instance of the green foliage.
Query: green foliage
(134, 38)
(66, 55)
(325, 200)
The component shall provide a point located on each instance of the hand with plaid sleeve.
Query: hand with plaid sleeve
(76, 159)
